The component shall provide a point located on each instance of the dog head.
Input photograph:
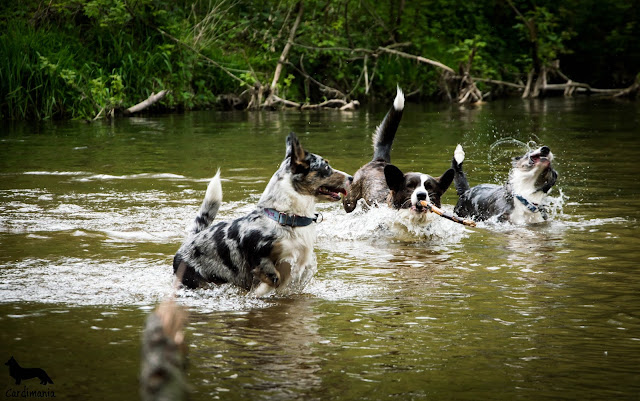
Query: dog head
(312, 175)
(533, 171)
(11, 362)
(407, 190)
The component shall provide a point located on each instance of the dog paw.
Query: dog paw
(271, 278)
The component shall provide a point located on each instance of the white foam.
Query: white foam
(55, 173)
(386, 223)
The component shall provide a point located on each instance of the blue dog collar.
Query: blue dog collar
(291, 220)
(533, 207)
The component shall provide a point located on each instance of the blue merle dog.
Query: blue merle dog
(520, 200)
(271, 247)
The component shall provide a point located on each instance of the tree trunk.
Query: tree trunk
(273, 88)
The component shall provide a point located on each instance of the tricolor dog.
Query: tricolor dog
(272, 246)
(379, 181)
(519, 201)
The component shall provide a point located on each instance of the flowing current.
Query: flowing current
(92, 214)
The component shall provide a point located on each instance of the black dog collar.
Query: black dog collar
(291, 220)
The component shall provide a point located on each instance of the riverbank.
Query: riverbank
(72, 59)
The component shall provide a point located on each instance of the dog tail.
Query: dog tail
(210, 205)
(460, 180)
(386, 131)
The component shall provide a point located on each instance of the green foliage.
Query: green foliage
(74, 58)
(548, 34)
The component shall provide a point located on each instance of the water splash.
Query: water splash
(383, 222)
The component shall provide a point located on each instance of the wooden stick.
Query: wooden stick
(446, 215)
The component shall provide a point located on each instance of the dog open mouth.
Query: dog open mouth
(332, 193)
(537, 159)
(540, 156)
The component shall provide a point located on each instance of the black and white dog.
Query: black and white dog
(519, 201)
(272, 246)
(379, 181)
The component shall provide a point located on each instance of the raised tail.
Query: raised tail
(459, 179)
(386, 131)
(210, 205)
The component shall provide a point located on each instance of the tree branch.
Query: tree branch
(417, 58)
(153, 98)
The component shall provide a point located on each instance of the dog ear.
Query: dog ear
(394, 177)
(445, 180)
(297, 154)
(550, 181)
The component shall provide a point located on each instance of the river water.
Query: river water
(91, 215)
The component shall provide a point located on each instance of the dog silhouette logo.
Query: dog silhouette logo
(19, 373)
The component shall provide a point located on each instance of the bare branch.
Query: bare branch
(153, 98)
(417, 58)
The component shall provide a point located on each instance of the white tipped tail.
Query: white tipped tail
(214, 190)
(210, 205)
(458, 154)
(398, 103)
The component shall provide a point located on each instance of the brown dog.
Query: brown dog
(379, 181)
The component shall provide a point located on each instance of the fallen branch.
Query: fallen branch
(634, 88)
(153, 98)
(276, 99)
(331, 103)
(503, 83)
(352, 105)
(327, 104)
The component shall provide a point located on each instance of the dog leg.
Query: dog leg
(269, 276)
(284, 270)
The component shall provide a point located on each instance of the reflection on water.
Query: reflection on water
(91, 215)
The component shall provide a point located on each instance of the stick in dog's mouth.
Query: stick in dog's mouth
(422, 206)
(428, 207)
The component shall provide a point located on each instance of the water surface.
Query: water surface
(91, 215)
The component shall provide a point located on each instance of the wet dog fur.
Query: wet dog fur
(254, 251)
(519, 201)
(379, 181)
